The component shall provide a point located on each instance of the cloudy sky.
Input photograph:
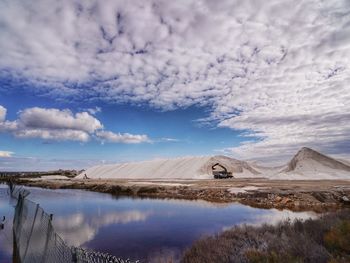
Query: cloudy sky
(86, 82)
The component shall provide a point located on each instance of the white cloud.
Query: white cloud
(95, 110)
(62, 125)
(54, 134)
(52, 124)
(169, 140)
(6, 154)
(2, 113)
(277, 69)
(108, 136)
(8, 126)
(58, 119)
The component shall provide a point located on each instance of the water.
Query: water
(146, 229)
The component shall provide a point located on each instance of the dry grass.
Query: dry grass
(326, 239)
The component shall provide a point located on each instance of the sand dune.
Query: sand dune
(310, 164)
(178, 168)
(307, 159)
(307, 164)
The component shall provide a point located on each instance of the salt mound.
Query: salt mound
(309, 160)
(178, 168)
(308, 164)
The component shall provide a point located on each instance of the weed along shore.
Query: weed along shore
(325, 239)
(318, 196)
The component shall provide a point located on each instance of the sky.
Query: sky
(90, 82)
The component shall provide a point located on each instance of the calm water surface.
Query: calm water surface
(144, 229)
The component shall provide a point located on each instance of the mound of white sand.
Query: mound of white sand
(178, 168)
(309, 160)
(50, 177)
(308, 164)
(54, 177)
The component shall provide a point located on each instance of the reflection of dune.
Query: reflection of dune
(190, 203)
(78, 228)
(165, 254)
(274, 216)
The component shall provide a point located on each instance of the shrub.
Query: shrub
(337, 239)
(326, 239)
(147, 190)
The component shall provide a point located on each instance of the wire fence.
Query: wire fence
(37, 242)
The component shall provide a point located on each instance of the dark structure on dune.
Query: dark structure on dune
(220, 172)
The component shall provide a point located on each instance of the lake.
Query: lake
(149, 230)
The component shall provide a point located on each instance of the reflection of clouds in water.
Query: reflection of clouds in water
(273, 217)
(3, 204)
(121, 217)
(6, 240)
(4, 201)
(73, 229)
(276, 216)
(165, 254)
(78, 228)
(6, 233)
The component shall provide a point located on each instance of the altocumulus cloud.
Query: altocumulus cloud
(277, 70)
(5, 154)
(121, 138)
(55, 124)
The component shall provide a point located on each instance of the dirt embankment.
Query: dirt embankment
(317, 196)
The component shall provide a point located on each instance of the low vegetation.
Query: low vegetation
(326, 239)
(16, 175)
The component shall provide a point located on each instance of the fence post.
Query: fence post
(49, 233)
(31, 232)
(74, 254)
(17, 219)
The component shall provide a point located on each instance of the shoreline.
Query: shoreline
(317, 195)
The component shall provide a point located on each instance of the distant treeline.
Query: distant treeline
(69, 173)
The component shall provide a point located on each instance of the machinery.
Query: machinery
(220, 172)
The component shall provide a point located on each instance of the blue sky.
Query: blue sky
(85, 82)
(171, 133)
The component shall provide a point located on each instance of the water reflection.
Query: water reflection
(150, 230)
(274, 217)
(79, 229)
(6, 209)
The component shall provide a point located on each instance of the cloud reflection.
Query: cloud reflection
(77, 229)
(273, 217)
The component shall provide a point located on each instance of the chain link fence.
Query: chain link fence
(37, 242)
